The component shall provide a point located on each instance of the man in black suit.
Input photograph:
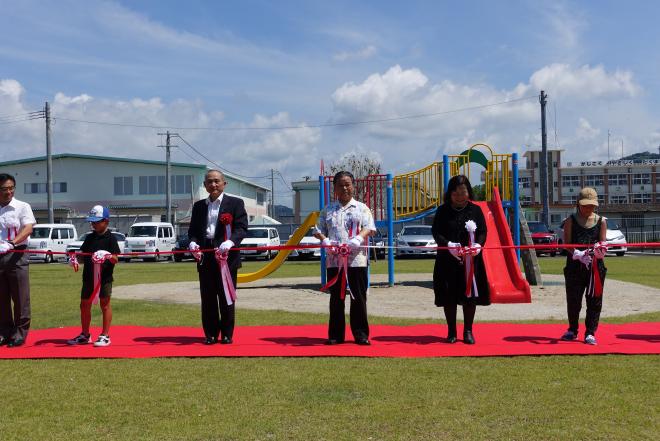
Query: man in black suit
(207, 231)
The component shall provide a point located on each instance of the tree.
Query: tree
(360, 164)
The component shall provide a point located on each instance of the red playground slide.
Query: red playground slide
(504, 277)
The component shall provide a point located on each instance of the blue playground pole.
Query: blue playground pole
(321, 205)
(390, 231)
(445, 171)
(516, 205)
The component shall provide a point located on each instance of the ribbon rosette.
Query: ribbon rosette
(73, 262)
(343, 251)
(225, 275)
(226, 219)
(468, 256)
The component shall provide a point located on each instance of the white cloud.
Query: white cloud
(585, 131)
(584, 82)
(362, 54)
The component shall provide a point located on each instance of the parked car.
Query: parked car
(182, 242)
(260, 237)
(415, 240)
(74, 247)
(615, 239)
(542, 235)
(150, 237)
(379, 241)
(307, 253)
(48, 239)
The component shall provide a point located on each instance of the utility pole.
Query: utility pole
(272, 193)
(168, 170)
(608, 144)
(543, 169)
(49, 167)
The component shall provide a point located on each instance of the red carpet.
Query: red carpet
(502, 339)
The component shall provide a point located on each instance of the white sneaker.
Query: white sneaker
(81, 339)
(103, 340)
(590, 340)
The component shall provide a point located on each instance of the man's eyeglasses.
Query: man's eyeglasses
(7, 188)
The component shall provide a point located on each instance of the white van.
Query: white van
(51, 238)
(260, 237)
(150, 237)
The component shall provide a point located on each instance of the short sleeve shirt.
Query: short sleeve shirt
(96, 242)
(13, 217)
(341, 223)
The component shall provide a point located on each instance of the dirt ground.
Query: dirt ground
(410, 297)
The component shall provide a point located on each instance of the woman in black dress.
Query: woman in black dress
(449, 230)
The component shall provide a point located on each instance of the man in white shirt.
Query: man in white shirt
(16, 221)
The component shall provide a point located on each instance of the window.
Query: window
(556, 218)
(572, 200)
(181, 184)
(641, 178)
(261, 197)
(618, 199)
(632, 220)
(32, 188)
(593, 180)
(123, 185)
(526, 200)
(617, 180)
(570, 181)
(152, 184)
(524, 182)
(536, 185)
(641, 198)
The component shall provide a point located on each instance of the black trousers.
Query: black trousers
(14, 287)
(357, 280)
(577, 283)
(217, 317)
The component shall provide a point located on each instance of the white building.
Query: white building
(133, 189)
(627, 190)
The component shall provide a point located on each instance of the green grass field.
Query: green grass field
(547, 398)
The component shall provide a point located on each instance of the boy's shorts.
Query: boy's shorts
(88, 288)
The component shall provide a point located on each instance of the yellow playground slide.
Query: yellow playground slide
(274, 264)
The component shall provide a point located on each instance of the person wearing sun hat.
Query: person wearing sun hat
(100, 248)
(585, 268)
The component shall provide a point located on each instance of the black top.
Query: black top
(197, 230)
(588, 237)
(449, 272)
(96, 242)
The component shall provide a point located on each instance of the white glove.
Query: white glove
(582, 256)
(5, 247)
(315, 230)
(192, 246)
(226, 246)
(454, 248)
(600, 249)
(475, 249)
(356, 242)
(101, 256)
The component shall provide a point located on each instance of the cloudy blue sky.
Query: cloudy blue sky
(226, 75)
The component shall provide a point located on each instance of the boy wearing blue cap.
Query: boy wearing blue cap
(101, 249)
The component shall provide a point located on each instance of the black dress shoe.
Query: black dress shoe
(468, 338)
(210, 340)
(451, 339)
(226, 340)
(363, 342)
(16, 342)
(331, 342)
(3, 340)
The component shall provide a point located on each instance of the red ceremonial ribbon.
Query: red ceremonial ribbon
(595, 283)
(343, 251)
(225, 275)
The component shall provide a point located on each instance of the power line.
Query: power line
(39, 113)
(305, 126)
(215, 163)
